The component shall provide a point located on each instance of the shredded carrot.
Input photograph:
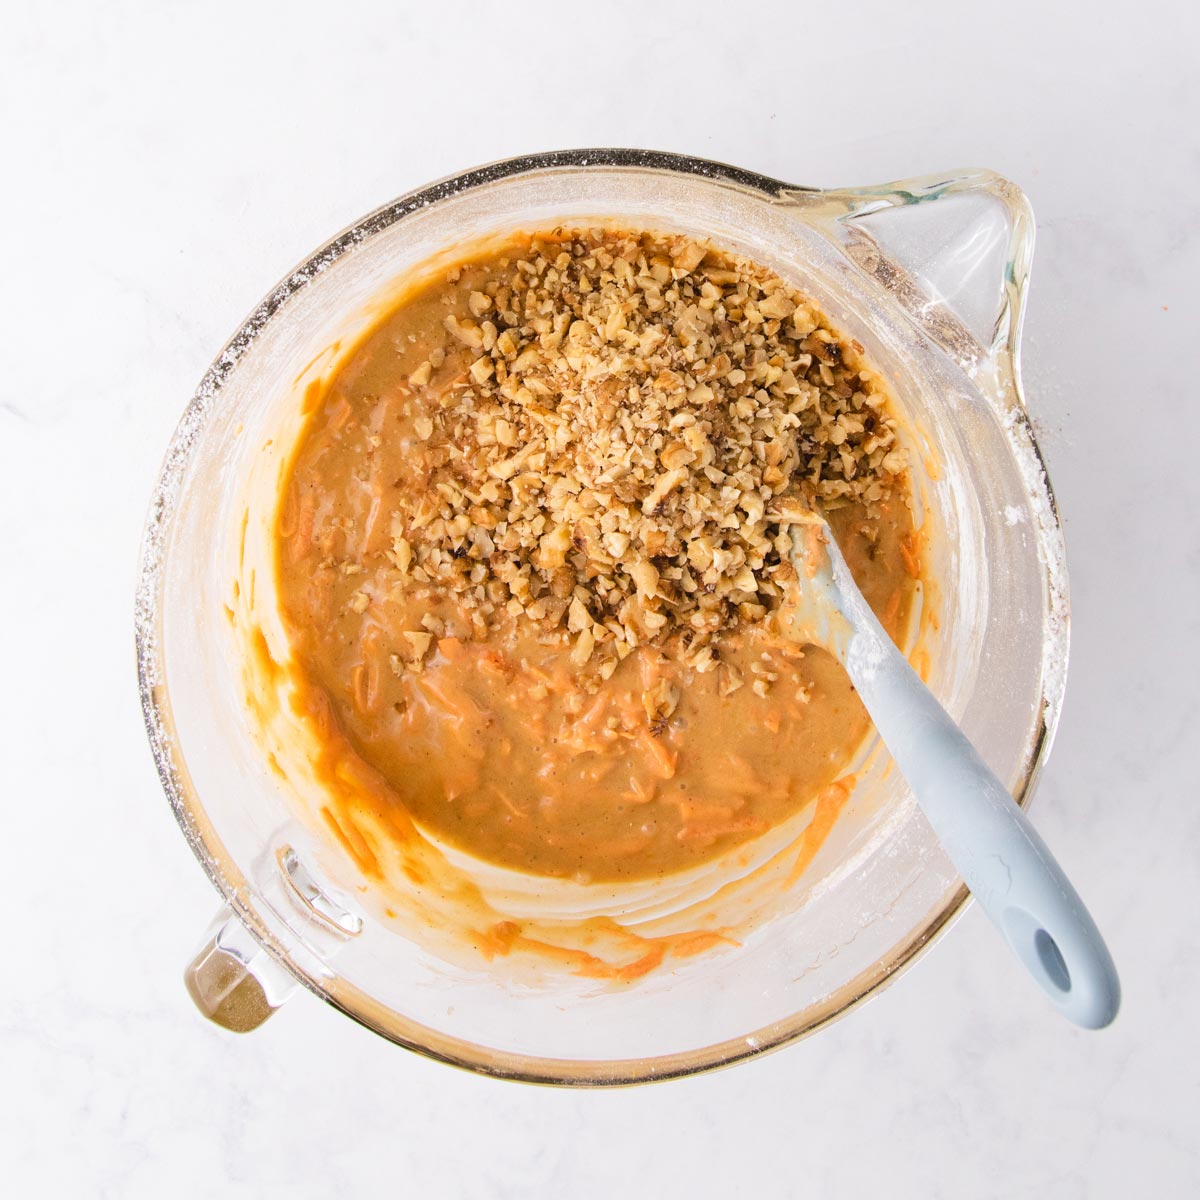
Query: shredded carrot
(360, 688)
(338, 415)
(687, 944)
(892, 609)
(452, 649)
(285, 525)
(312, 394)
(663, 760)
(814, 539)
(641, 791)
(352, 841)
(595, 968)
(692, 810)
(322, 597)
(301, 540)
(452, 701)
(498, 939)
(242, 539)
(829, 804)
(264, 662)
(706, 832)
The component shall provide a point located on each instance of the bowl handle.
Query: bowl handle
(233, 981)
(954, 251)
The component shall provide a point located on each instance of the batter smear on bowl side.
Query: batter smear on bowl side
(534, 531)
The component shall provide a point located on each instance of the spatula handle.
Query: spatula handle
(991, 842)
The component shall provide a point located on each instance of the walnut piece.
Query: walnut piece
(638, 419)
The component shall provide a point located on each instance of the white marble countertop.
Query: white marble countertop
(164, 165)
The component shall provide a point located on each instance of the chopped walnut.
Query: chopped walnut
(635, 422)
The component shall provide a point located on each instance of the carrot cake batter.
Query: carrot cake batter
(534, 531)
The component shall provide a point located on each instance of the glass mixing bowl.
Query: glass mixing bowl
(929, 275)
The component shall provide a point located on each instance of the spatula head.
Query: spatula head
(811, 612)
